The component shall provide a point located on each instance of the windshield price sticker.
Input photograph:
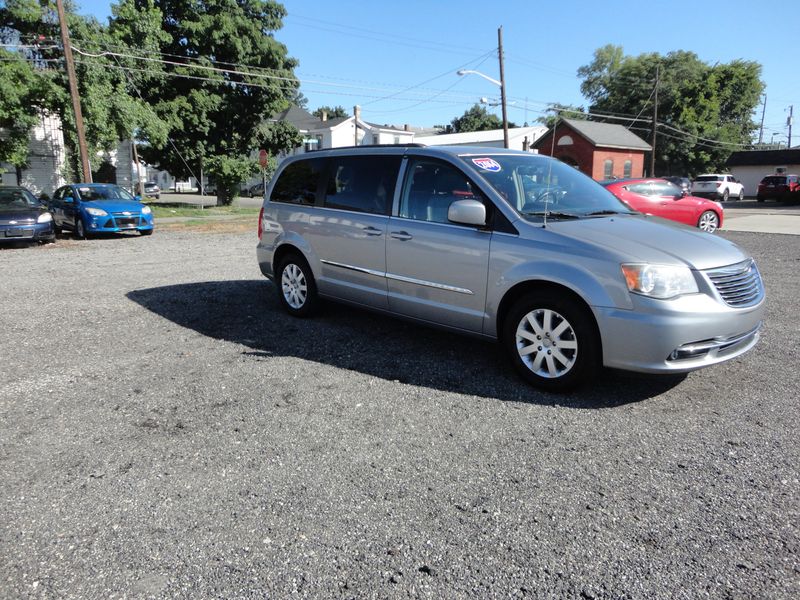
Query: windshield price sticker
(487, 164)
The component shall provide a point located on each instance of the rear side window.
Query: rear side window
(297, 183)
(774, 180)
(362, 183)
(709, 178)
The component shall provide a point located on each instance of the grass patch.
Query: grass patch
(212, 226)
(181, 210)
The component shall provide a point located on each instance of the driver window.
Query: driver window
(430, 187)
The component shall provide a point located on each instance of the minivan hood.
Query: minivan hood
(649, 239)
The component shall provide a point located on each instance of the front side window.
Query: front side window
(431, 186)
(666, 188)
(297, 183)
(362, 183)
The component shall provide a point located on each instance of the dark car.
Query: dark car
(256, 190)
(89, 208)
(682, 182)
(779, 187)
(661, 198)
(151, 190)
(23, 217)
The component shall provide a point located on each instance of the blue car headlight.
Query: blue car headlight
(146, 210)
(96, 212)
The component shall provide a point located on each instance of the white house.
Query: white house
(519, 138)
(751, 166)
(46, 158)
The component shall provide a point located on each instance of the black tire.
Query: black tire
(146, 232)
(56, 228)
(572, 364)
(79, 229)
(725, 195)
(297, 290)
(741, 195)
(760, 199)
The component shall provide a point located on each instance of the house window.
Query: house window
(608, 169)
(376, 138)
(319, 142)
(627, 169)
(397, 139)
(565, 140)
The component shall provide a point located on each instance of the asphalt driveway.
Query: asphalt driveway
(167, 431)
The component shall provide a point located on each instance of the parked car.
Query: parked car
(23, 217)
(682, 182)
(662, 198)
(151, 190)
(717, 187)
(507, 246)
(256, 190)
(779, 187)
(89, 208)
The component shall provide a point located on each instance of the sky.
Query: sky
(398, 59)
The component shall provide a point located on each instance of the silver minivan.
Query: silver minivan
(509, 246)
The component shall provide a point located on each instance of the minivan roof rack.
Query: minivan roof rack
(368, 146)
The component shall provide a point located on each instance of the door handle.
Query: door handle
(401, 235)
(371, 231)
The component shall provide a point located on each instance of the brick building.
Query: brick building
(600, 150)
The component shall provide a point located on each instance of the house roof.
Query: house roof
(476, 137)
(759, 158)
(607, 135)
(300, 118)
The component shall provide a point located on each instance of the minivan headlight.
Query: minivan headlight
(659, 281)
(96, 212)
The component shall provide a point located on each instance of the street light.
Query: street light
(501, 85)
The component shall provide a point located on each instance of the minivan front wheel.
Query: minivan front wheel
(552, 341)
(297, 290)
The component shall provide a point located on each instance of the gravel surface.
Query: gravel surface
(167, 431)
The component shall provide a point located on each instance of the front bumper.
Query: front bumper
(677, 336)
(27, 232)
(119, 223)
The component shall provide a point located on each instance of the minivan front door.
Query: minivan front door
(436, 270)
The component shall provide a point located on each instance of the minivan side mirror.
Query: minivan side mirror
(467, 212)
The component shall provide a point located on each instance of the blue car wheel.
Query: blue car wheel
(80, 229)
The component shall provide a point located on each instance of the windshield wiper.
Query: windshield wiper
(598, 213)
(553, 215)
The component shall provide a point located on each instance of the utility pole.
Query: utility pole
(502, 85)
(356, 117)
(789, 123)
(73, 91)
(655, 122)
(763, 110)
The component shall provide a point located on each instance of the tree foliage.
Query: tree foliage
(334, 112)
(704, 111)
(566, 111)
(476, 118)
(20, 90)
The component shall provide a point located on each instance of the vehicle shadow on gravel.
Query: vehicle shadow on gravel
(248, 313)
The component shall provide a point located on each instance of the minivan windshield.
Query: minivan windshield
(538, 185)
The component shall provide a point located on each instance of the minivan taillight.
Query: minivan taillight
(260, 227)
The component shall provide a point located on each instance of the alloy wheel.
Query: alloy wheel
(293, 284)
(546, 343)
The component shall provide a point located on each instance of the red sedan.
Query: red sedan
(661, 198)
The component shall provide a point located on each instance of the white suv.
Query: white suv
(717, 187)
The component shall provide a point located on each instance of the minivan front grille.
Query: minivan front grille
(739, 285)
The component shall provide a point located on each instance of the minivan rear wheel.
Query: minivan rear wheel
(552, 341)
(297, 289)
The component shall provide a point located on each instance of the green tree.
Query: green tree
(333, 112)
(276, 137)
(20, 105)
(228, 73)
(566, 111)
(476, 118)
(705, 112)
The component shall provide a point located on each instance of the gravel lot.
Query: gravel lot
(167, 431)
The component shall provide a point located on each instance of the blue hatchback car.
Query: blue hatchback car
(90, 208)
